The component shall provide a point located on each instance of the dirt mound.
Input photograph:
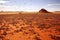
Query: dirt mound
(43, 11)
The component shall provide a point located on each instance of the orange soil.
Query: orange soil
(30, 27)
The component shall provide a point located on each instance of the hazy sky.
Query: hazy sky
(29, 5)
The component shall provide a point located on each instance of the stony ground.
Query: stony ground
(30, 27)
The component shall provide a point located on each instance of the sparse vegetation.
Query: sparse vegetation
(23, 26)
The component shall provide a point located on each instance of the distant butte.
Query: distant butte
(43, 11)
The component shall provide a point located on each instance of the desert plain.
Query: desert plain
(29, 26)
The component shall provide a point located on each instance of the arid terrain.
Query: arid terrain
(29, 26)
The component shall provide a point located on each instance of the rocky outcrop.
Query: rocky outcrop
(43, 11)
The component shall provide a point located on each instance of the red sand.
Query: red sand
(30, 27)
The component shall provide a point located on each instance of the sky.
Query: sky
(29, 5)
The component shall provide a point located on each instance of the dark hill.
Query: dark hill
(43, 11)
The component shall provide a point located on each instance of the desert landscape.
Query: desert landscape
(41, 25)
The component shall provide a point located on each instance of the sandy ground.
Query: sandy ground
(30, 26)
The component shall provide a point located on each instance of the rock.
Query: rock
(43, 11)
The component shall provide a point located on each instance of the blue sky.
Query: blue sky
(29, 5)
